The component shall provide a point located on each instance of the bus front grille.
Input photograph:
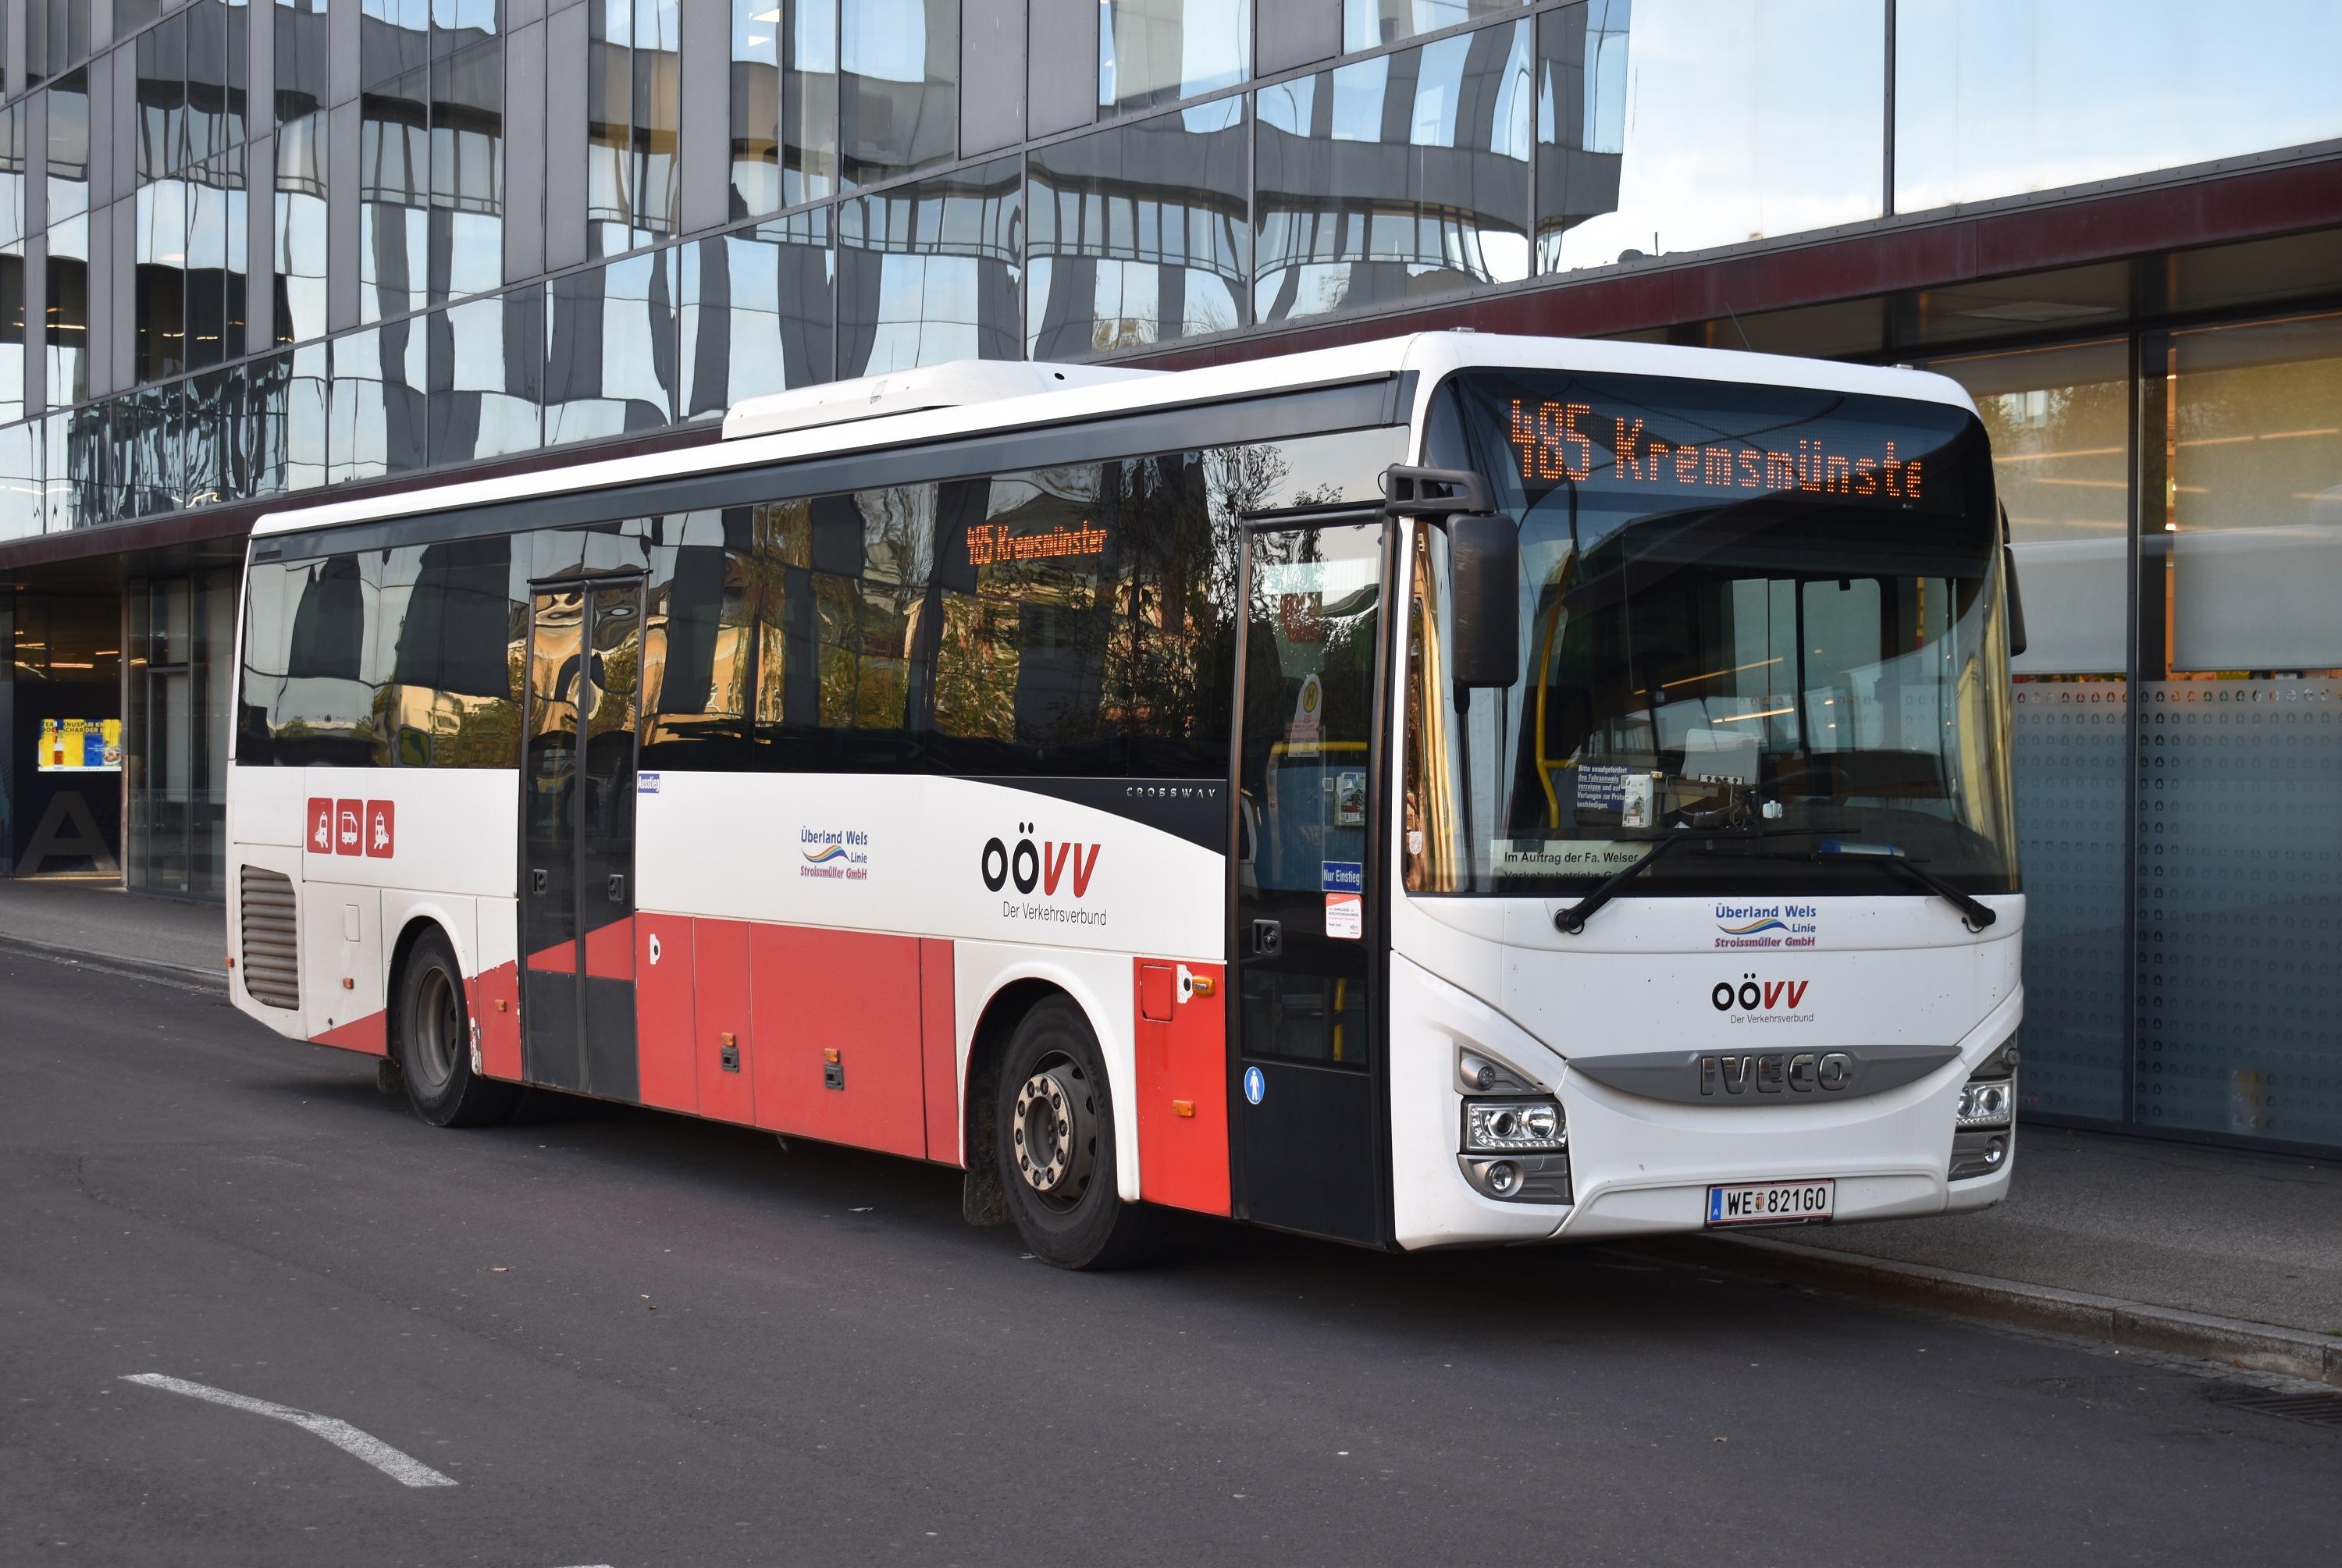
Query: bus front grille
(271, 945)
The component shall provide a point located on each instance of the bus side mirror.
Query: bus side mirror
(1484, 571)
(1484, 566)
(2015, 597)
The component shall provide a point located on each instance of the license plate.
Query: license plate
(1771, 1202)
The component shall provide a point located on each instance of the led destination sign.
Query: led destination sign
(1555, 441)
(990, 543)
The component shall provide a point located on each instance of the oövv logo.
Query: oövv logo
(1751, 996)
(1047, 864)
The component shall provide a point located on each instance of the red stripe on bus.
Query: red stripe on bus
(722, 1006)
(561, 958)
(610, 950)
(370, 1035)
(814, 992)
(494, 996)
(1183, 1085)
(939, 1049)
(666, 1074)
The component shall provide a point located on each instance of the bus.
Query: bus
(1457, 789)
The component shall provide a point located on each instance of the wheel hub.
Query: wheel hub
(1053, 1133)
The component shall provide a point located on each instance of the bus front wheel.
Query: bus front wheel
(432, 1039)
(1056, 1147)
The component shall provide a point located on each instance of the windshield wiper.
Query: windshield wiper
(1974, 914)
(1572, 921)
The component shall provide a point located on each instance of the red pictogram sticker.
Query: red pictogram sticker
(321, 825)
(349, 827)
(381, 828)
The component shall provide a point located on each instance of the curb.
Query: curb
(118, 963)
(2260, 1347)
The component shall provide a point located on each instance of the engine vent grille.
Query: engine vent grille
(271, 947)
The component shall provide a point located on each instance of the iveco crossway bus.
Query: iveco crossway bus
(1455, 789)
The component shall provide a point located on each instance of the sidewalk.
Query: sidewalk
(2205, 1251)
(96, 920)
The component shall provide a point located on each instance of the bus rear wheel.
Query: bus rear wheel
(432, 1040)
(1056, 1147)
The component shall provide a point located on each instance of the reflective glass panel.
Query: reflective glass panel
(467, 229)
(300, 230)
(210, 131)
(88, 466)
(2240, 869)
(209, 187)
(487, 369)
(1157, 51)
(12, 332)
(393, 39)
(456, 25)
(757, 52)
(375, 425)
(68, 312)
(2001, 97)
(899, 84)
(161, 146)
(69, 147)
(393, 197)
(146, 438)
(1138, 234)
(1371, 24)
(929, 273)
(610, 350)
(1672, 125)
(756, 315)
(1397, 177)
(810, 102)
(2059, 424)
(279, 443)
(22, 512)
(633, 117)
(161, 218)
(211, 409)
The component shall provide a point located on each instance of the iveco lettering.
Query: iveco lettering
(1456, 789)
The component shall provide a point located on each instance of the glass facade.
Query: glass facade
(251, 249)
(2175, 499)
(1443, 149)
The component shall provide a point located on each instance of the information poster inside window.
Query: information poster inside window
(80, 746)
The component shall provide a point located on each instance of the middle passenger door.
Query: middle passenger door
(1308, 1099)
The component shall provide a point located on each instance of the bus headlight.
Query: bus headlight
(1513, 1126)
(1987, 1103)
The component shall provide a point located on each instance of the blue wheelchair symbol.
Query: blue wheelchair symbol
(1255, 1084)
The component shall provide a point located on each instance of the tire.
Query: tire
(432, 1040)
(1056, 1142)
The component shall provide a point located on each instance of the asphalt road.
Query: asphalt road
(632, 1339)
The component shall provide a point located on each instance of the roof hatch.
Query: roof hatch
(951, 385)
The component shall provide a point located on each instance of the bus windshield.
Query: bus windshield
(1766, 614)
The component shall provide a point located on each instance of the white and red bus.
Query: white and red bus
(1454, 789)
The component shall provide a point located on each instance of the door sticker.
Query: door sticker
(382, 829)
(1255, 1085)
(349, 832)
(321, 825)
(1346, 915)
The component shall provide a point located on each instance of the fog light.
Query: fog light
(1507, 1126)
(1989, 1104)
(1503, 1176)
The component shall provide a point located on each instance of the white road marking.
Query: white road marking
(404, 1469)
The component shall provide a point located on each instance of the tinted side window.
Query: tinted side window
(267, 644)
(403, 657)
(702, 643)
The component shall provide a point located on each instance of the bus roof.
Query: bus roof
(947, 402)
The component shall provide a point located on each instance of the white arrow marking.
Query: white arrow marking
(404, 1469)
